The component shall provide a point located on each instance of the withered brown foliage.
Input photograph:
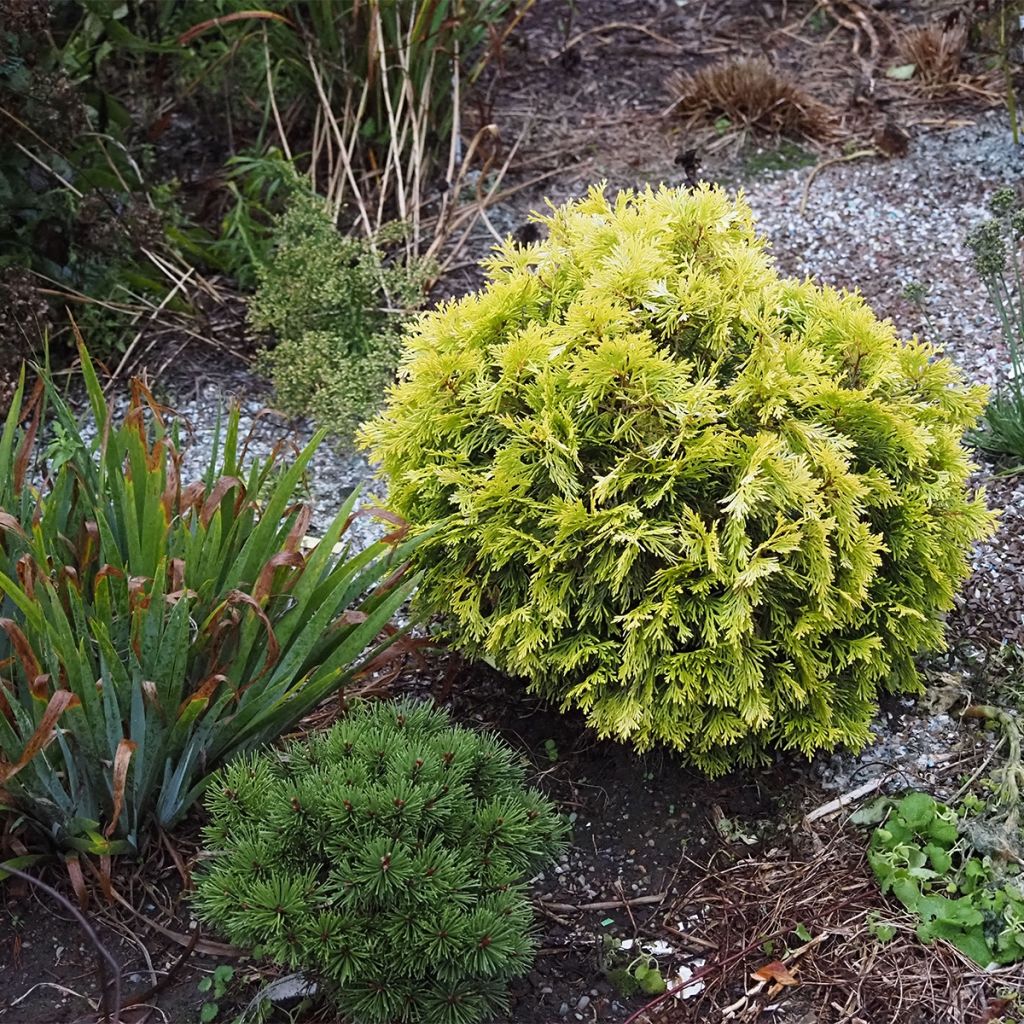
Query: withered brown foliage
(936, 51)
(752, 94)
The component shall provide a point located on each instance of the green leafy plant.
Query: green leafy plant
(215, 986)
(995, 245)
(150, 628)
(78, 214)
(881, 930)
(922, 853)
(387, 855)
(710, 507)
(645, 971)
(336, 310)
(260, 187)
(630, 972)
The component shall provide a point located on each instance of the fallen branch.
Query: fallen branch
(840, 802)
(818, 168)
(205, 947)
(570, 908)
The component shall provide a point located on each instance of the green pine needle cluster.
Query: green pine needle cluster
(711, 507)
(387, 855)
(336, 311)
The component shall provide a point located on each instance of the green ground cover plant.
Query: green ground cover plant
(923, 853)
(152, 628)
(389, 857)
(711, 507)
(995, 246)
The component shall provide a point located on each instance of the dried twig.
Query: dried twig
(573, 908)
(619, 26)
(818, 168)
(834, 806)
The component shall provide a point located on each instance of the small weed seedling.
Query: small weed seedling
(215, 986)
(641, 974)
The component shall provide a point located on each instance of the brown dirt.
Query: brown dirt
(642, 828)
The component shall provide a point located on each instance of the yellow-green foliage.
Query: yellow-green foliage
(713, 508)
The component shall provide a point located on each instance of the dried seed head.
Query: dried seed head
(988, 246)
(1003, 202)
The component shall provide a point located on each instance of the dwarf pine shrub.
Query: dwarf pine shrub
(388, 856)
(711, 507)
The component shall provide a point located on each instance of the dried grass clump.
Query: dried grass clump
(752, 95)
(937, 52)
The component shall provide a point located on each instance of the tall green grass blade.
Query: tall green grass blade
(152, 624)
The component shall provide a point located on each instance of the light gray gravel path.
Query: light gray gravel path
(878, 225)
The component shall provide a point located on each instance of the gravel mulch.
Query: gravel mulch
(879, 225)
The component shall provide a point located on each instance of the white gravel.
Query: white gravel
(877, 225)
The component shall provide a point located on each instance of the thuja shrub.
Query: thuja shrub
(711, 507)
(388, 856)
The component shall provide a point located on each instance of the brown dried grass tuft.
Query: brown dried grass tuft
(752, 95)
(937, 52)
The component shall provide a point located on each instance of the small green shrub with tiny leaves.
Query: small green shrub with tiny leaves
(995, 246)
(336, 310)
(389, 857)
(711, 507)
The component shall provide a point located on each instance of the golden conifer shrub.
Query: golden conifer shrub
(709, 506)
